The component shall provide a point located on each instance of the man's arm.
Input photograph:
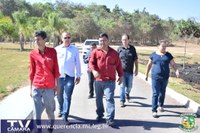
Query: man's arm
(149, 65)
(56, 68)
(57, 88)
(78, 68)
(32, 68)
(135, 61)
(93, 64)
(119, 70)
(56, 74)
(173, 64)
(136, 67)
(31, 82)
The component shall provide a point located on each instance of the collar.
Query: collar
(63, 46)
(127, 47)
(102, 50)
(38, 51)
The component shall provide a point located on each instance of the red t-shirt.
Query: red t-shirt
(106, 64)
(44, 68)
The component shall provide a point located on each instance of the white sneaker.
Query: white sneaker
(154, 114)
(161, 109)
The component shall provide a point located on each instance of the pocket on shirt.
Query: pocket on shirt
(49, 61)
(111, 65)
(111, 61)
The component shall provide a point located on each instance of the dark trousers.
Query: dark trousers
(158, 93)
(91, 83)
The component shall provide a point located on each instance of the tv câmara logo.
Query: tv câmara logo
(188, 123)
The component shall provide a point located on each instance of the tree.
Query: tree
(85, 26)
(8, 7)
(21, 22)
(117, 12)
(157, 31)
(144, 26)
(168, 27)
(41, 9)
(55, 27)
(186, 30)
(68, 8)
(7, 27)
(31, 27)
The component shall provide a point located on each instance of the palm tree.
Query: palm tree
(21, 19)
(55, 27)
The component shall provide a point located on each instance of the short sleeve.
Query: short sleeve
(118, 50)
(151, 56)
(170, 56)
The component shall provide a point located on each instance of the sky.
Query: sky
(176, 9)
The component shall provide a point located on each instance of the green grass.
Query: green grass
(14, 68)
(176, 84)
(182, 87)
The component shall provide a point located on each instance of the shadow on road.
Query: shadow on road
(120, 123)
(147, 125)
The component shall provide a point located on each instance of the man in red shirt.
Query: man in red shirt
(104, 62)
(43, 74)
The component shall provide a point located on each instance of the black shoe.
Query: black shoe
(110, 122)
(122, 104)
(99, 118)
(50, 129)
(127, 97)
(66, 122)
(90, 96)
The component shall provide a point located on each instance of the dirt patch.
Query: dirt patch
(191, 74)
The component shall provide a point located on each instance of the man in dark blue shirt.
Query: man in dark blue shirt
(128, 56)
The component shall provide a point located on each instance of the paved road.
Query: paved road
(135, 117)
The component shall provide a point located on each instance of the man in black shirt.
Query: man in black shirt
(129, 58)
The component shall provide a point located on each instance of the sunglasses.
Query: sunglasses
(67, 37)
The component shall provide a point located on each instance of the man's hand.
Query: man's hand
(177, 73)
(57, 90)
(77, 80)
(31, 91)
(120, 80)
(146, 78)
(136, 72)
(95, 73)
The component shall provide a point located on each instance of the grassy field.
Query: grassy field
(14, 68)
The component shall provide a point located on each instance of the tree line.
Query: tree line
(19, 19)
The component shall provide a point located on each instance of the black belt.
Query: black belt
(66, 75)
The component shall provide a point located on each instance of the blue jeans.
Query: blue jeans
(60, 96)
(106, 88)
(64, 97)
(43, 98)
(126, 85)
(158, 93)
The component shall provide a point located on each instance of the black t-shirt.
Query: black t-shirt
(127, 56)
